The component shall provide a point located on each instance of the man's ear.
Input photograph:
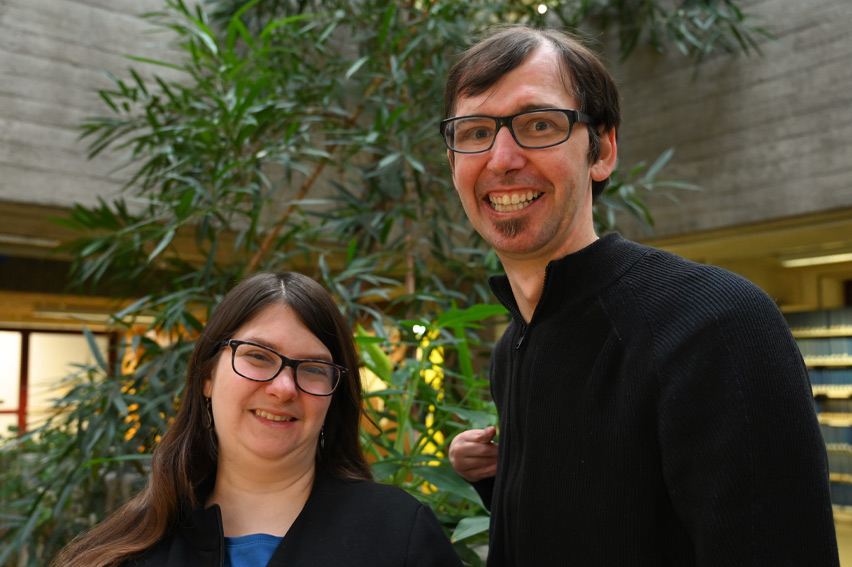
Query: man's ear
(607, 157)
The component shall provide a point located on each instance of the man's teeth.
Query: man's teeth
(507, 203)
(272, 417)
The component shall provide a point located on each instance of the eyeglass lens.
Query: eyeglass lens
(535, 129)
(261, 364)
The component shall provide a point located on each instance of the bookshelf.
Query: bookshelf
(825, 340)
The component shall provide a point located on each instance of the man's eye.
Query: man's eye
(536, 126)
(474, 132)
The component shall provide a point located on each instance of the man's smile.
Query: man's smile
(510, 202)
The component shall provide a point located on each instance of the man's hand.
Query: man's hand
(473, 454)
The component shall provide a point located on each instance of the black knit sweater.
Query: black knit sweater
(654, 412)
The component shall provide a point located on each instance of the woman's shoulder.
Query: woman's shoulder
(371, 523)
(375, 495)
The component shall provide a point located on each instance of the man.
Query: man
(652, 411)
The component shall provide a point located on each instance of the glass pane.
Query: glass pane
(54, 356)
(10, 370)
(8, 420)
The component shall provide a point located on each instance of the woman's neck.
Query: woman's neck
(252, 502)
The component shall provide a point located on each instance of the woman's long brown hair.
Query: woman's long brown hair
(185, 461)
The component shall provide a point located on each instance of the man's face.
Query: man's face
(530, 203)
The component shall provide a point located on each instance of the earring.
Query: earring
(322, 437)
(208, 417)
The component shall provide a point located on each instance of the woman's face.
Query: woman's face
(268, 421)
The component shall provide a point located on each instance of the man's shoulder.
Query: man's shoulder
(666, 276)
(670, 292)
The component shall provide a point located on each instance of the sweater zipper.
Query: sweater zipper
(222, 551)
(516, 315)
(523, 336)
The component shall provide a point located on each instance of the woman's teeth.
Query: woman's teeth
(271, 417)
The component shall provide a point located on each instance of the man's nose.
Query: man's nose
(505, 154)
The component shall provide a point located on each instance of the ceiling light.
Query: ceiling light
(89, 316)
(19, 240)
(817, 260)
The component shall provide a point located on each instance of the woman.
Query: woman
(263, 464)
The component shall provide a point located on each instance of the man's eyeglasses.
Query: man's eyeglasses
(262, 364)
(533, 129)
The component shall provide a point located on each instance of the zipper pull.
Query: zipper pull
(520, 341)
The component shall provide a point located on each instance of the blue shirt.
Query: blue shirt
(253, 550)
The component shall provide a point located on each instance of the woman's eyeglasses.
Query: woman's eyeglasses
(262, 364)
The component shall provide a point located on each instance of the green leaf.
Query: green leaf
(446, 479)
(355, 66)
(471, 526)
(117, 459)
(470, 315)
(272, 26)
(164, 242)
(374, 357)
(154, 62)
(476, 419)
(659, 164)
(383, 469)
(389, 159)
(95, 349)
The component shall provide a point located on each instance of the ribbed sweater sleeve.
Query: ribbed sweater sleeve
(742, 455)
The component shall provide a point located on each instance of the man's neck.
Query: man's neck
(527, 283)
(526, 276)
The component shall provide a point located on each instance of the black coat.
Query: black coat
(343, 523)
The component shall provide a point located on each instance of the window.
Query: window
(33, 366)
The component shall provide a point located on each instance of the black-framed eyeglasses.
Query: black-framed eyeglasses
(534, 129)
(261, 364)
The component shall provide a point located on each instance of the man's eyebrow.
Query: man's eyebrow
(525, 108)
(537, 106)
(531, 106)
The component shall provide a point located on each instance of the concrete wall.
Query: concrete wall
(765, 136)
(51, 56)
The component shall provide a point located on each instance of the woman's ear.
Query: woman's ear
(607, 156)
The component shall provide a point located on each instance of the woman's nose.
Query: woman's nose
(283, 386)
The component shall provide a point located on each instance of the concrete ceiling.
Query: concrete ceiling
(767, 243)
(756, 251)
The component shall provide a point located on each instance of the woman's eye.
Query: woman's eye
(258, 356)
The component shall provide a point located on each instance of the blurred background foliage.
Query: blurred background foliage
(301, 135)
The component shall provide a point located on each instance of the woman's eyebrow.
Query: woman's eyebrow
(317, 355)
